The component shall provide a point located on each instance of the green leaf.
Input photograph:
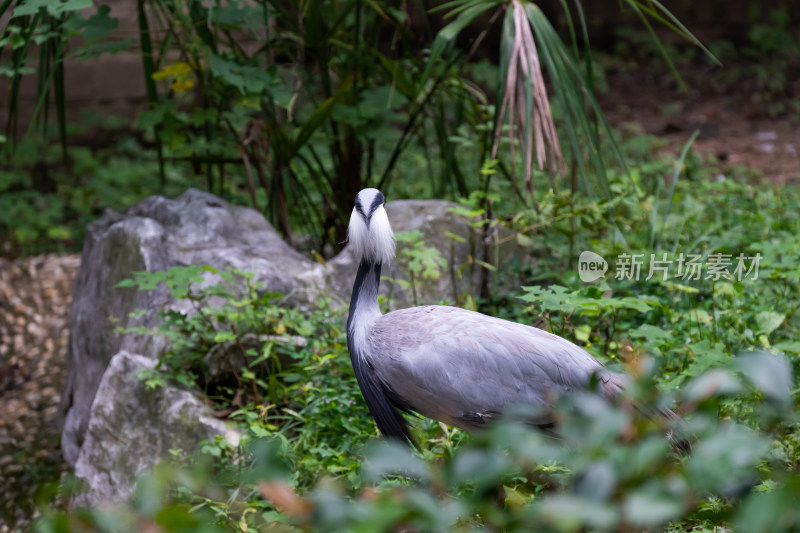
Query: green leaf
(427, 261)
(712, 383)
(392, 458)
(455, 237)
(467, 11)
(151, 117)
(94, 50)
(726, 459)
(481, 467)
(769, 321)
(650, 507)
(59, 233)
(409, 236)
(235, 16)
(651, 333)
(705, 356)
(98, 26)
(787, 346)
(771, 512)
(524, 241)
(318, 117)
(583, 332)
(485, 265)
(586, 301)
(31, 7)
(224, 336)
(574, 513)
(771, 374)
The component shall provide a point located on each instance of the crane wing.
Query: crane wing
(464, 368)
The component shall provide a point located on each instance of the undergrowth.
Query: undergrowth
(721, 350)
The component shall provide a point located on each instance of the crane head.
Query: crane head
(370, 234)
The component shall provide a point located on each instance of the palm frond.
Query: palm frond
(525, 101)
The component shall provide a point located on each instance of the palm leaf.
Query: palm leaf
(467, 11)
(524, 99)
(660, 13)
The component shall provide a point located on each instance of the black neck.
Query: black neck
(365, 290)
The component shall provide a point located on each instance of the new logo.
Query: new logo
(591, 266)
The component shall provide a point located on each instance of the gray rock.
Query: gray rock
(131, 428)
(156, 234)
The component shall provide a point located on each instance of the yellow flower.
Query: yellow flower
(181, 85)
(180, 73)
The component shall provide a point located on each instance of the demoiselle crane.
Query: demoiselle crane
(459, 367)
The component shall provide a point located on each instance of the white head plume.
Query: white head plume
(370, 234)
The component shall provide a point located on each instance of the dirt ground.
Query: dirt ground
(35, 297)
(740, 123)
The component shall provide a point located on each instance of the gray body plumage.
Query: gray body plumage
(464, 368)
(453, 365)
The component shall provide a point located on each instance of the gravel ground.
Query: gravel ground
(35, 296)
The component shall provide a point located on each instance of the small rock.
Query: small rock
(767, 148)
(766, 136)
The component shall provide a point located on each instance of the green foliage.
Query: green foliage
(313, 115)
(775, 36)
(310, 99)
(603, 311)
(422, 260)
(764, 62)
(418, 260)
(46, 203)
(307, 462)
(270, 369)
(294, 107)
(611, 468)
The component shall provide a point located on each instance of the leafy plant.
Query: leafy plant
(265, 366)
(530, 41)
(419, 260)
(46, 203)
(310, 113)
(593, 302)
(610, 468)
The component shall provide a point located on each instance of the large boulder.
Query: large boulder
(200, 229)
(156, 234)
(132, 426)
